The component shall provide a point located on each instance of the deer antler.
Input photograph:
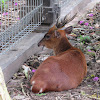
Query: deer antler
(64, 21)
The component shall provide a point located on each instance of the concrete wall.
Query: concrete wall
(13, 59)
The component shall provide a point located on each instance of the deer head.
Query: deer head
(52, 38)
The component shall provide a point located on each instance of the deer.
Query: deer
(63, 71)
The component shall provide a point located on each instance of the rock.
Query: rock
(97, 26)
(88, 63)
(43, 57)
(19, 97)
(31, 63)
(96, 83)
(36, 64)
(98, 61)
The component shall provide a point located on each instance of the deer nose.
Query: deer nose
(39, 44)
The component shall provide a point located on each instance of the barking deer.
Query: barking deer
(63, 71)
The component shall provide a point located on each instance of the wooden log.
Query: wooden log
(4, 95)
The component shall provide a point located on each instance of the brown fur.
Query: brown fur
(64, 71)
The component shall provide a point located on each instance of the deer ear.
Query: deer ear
(57, 34)
(68, 30)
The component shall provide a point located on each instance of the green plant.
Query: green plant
(4, 6)
(85, 39)
(91, 53)
(91, 76)
(3, 1)
(81, 47)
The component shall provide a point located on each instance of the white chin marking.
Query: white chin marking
(41, 90)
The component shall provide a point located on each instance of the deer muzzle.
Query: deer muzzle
(40, 43)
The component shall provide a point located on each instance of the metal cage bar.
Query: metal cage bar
(17, 19)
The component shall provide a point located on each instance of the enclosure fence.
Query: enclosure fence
(17, 19)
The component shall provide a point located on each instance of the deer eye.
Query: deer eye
(47, 37)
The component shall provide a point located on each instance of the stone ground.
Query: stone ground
(86, 36)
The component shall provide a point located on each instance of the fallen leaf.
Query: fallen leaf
(83, 92)
(92, 75)
(26, 70)
(94, 96)
(92, 33)
(41, 94)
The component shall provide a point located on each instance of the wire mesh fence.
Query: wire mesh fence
(17, 19)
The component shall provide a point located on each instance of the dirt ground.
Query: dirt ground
(86, 36)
